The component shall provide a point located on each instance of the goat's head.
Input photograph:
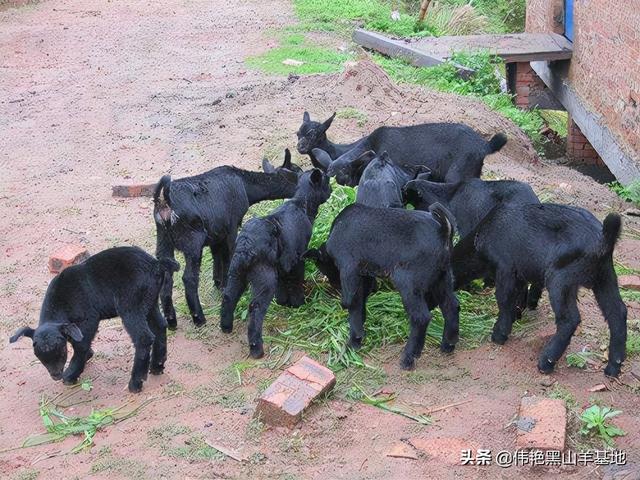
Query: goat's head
(289, 171)
(311, 134)
(346, 168)
(314, 185)
(422, 193)
(50, 344)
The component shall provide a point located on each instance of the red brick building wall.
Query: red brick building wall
(605, 68)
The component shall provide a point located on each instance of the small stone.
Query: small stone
(135, 190)
(401, 450)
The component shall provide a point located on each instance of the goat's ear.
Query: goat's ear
(360, 163)
(385, 157)
(316, 176)
(327, 123)
(22, 332)
(322, 157)
(71, 330)
(423, 173)
(287, 159)
(305, 117)
(267, 167)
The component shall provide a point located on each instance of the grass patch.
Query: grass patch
(556, 120)
(123, 467)
(314, 59)
(562, 393)
(630, 193)
(193, 448)
(27, 474)
(484, 85)
(633, 343)
(351, 112)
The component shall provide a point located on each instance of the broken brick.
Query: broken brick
(137, 190)
(65, 256)
(542, 424)
(631, 282)
(284, 401)
(402, 450)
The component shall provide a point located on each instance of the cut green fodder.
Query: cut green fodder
(384, 402)
(583, 358)
(296, 55)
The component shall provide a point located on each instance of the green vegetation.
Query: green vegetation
(483, 85)
(633, 343)
(193, 448)
(351, 112)
(562, 393)
(581, 359)
(123, 467)
(595, 422)
(300, 56)
(630, 193)
(556, 120)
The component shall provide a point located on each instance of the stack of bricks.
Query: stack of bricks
(527, 81)
(579, 150)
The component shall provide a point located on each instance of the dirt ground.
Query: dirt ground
(97, 93)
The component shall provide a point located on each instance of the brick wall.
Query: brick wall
(605, 69)
(579, 150)
(526, 82)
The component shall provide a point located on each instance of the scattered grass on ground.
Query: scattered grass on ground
(562, 393)
(351, 112)
(556, 120)
(193, 448)
(26, 474)
(307, 58)
(122, 467)
(629, 193)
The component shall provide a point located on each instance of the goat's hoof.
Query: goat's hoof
(408, 363)
(226, 329)
(546, 366)
(69, 380)
(172, 323)
(612, 370)
(135, 386)
(499, 338)
(89, 354)
(447, 347)
(199, 321)
(156, 369)
(355, 343)
(256, 351)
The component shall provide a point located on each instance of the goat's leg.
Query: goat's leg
(233, 290)
(218, 274)
(563, 297)
(508, 291)
(614, 310)
(81, 353)
(165, 249)
(534, 294)
(353, 301)
(263, 279)
(159, 349)
(135, 323)
(291, 286)
(450, 308)
(191, 280)
(415, 304)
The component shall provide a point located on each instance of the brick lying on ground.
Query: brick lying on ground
(542, 424)
(65, 256)
(284, 401)
(631, 282)
(129, 191)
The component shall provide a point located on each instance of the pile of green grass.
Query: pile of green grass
(316, 59)
(320, 327)
(483, 85)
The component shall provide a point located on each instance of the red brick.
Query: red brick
(65, 256)
(293, 392)
(136, 190)
(631, 282)
(542, 424)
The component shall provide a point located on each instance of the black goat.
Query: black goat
(206, 210)
(560, 247)
(413, 249)
(470, 201)
(452, 151)
(119, 282)
(268, 255)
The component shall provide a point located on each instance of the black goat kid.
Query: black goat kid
(452, 151)
(412, 248)
(561, 247)
(206, 211)
(118, 282)
(268, 255)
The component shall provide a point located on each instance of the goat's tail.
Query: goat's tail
(497, 142)
(445, 219)
(163, 190)
(610, 232)
(168, 265)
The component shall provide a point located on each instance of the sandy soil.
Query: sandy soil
(97, 93)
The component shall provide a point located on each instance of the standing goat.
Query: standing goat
(452, 151)
(413, 249)
(558, 246)
(206, 210)
(268, 255)
(118, 282)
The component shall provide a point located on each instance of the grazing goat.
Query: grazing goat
(206, 210)
(470, 201)
(413, 249)
(452, 151)
(558, 246)
(269, 256)
(118, 282)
